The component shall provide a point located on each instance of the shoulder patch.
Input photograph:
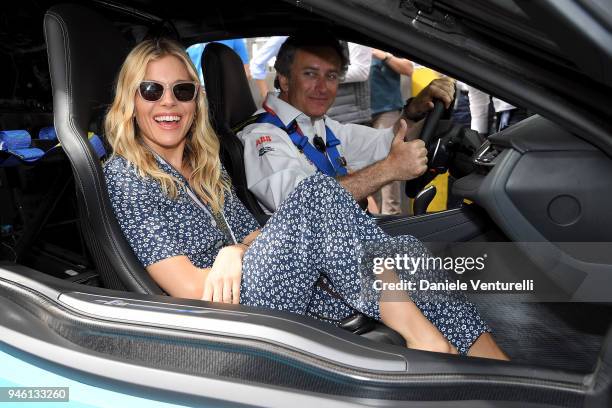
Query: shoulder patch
(262, 139)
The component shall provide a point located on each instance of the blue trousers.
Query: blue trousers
(319, 232)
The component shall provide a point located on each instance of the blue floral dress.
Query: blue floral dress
(319, 234)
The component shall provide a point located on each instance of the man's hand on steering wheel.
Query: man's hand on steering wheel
(438, 95)
(442, 89)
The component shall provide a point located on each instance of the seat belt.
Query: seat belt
(333, 164)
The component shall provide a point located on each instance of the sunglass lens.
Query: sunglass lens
(151, 91)
(184, 92)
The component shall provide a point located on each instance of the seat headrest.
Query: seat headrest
(95, 51)
(227, 88)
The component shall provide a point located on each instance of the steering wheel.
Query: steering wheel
(414, 186)
(431, 123)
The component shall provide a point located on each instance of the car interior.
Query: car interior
(532, 187)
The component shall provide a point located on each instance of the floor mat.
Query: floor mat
(559, 335)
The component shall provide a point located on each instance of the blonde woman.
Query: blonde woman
(176, 208)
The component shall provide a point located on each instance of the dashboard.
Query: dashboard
(548, 190)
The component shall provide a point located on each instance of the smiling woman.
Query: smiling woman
(167, 123)
(164, 119)
(198, 241)
(77, 302)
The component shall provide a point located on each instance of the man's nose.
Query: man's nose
(322, 84)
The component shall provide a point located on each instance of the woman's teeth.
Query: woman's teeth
(167, 118)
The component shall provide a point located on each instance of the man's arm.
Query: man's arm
(402, 66)
(360, 58)
(405, 161)
(407, 158)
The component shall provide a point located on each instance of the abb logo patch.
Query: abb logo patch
(262, 139)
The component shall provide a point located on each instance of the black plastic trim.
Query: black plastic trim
(456, 225)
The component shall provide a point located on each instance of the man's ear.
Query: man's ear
(283, 82)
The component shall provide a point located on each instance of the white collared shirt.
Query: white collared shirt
(274, 166)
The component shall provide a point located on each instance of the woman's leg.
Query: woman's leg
(401, 314)
(320, 231)
(314, 233)
(486, 347)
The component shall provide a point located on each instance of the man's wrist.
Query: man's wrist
(413, 116)
(387, 171)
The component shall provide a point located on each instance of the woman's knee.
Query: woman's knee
(319, 182)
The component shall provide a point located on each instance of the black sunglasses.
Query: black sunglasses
(153, 91)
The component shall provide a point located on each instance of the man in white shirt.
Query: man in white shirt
(294, 138)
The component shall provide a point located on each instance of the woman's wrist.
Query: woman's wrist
(234, 251)
(242, 248)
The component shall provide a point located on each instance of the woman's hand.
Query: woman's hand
(223, 281)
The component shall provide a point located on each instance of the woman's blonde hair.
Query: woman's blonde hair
(201, 147)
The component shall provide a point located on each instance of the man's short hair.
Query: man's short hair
(307, 39)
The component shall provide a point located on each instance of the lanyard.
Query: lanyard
(200, 204)
(226, 229)
(332, 166)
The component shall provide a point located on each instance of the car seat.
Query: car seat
(230, 105)
(85, 53)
